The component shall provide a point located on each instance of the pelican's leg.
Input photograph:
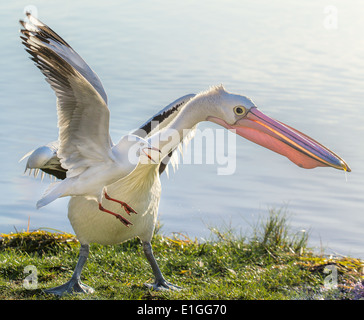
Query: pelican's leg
(74, 284)
(126, 207)
(116, 215)
(160, 283)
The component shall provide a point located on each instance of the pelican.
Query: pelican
(142, 187)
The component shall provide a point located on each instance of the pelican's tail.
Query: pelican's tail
(55, 190)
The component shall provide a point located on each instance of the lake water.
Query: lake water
(301, 62)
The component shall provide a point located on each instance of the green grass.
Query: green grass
(274, 263)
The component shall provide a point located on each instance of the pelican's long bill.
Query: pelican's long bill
(285, 140)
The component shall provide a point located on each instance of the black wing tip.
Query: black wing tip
(25, 32)
(43, 29)
(22, 23)
(28, 14)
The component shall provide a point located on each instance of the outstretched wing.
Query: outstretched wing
(45, 158)
(160, 121)
(83, 115)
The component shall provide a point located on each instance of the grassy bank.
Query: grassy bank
(274, 263)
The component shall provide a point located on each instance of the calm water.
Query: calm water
(296, 65)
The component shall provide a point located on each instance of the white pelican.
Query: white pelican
(142, 188)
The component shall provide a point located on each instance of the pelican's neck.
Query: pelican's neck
(195, 111)
(191, 114)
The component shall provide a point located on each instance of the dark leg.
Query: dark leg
(74, 284)
(160, 283)
(118, 216)
(126, 207)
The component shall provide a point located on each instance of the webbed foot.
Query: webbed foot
(71, 286)
(162, 285)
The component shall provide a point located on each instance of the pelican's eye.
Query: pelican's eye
(240, 110)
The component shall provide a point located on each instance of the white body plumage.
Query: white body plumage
(142, 189)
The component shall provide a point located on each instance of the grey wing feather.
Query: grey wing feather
(83, 115)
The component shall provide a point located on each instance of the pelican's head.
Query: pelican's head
(240, 114)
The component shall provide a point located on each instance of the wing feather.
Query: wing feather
(83, 115)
